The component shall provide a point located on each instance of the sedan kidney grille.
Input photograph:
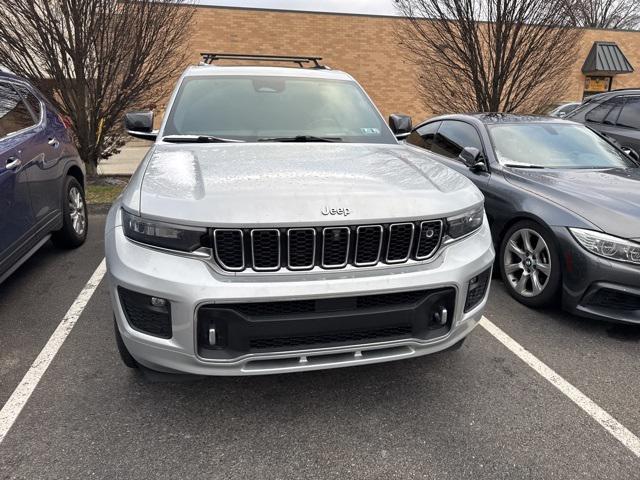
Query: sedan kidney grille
(305, 248)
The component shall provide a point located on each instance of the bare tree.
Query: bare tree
(618, 14)
(488, 55)
(101, 57)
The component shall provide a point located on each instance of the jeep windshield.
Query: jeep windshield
(275, 109)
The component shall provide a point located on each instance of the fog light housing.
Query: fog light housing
(476, 289)
(147, 314)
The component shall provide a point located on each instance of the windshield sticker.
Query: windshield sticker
(370, 131)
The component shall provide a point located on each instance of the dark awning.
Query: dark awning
(606, 58)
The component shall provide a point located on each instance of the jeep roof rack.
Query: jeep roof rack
(209, 58)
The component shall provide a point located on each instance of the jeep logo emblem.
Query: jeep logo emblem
(335, 211)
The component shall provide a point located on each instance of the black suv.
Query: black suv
(615, 114)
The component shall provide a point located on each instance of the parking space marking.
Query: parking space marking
(23, 391)
(610, 424)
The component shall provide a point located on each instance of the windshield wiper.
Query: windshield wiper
(522, 165)
(301, 138)
(198, 139)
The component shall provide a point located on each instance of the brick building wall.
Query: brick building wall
(364, 46)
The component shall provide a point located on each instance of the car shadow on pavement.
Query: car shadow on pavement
(28, 270)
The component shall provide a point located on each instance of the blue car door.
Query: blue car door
(41, 158)
(16, 215)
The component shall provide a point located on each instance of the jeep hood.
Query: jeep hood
(291, 184)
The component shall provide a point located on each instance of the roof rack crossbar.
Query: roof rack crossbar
(208, 58)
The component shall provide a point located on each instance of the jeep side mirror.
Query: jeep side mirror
(140, 125)
(400, 125)
(632, 153)
(472, 158)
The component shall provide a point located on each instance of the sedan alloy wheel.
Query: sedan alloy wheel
(527, 262)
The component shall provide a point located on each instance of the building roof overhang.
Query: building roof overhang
(606, 58)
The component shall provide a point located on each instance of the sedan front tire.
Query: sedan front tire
(530, 264)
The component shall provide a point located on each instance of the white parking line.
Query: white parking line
(23, 391)
(610, 424)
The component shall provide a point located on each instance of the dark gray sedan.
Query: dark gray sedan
(563, 203)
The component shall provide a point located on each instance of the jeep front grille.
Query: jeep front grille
(272, 249)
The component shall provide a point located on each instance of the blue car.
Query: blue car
(41, 176)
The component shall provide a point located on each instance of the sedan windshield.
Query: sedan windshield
(554, 145)
(275, 109)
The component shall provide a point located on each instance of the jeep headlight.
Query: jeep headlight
(465, 223)
(163, 235)
(608, 246)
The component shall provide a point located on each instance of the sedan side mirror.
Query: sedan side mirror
(472, 158)
(140, 125)
(400, 125)
(632, 153)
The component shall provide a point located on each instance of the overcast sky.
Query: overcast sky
(372, 7)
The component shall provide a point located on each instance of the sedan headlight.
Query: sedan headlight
(163, 235)
(608, 246)
(463, 224)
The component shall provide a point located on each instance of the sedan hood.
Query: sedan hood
(297, 184)
(607, 198)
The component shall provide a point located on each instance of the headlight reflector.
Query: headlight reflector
(463, 224)
(608, 246)
(163, 235)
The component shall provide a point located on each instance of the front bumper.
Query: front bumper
(189, 283)
(595, 287)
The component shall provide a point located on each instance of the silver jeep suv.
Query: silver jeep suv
(277, 225)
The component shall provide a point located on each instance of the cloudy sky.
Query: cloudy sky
(372, 7)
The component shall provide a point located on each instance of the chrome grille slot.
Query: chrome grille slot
(429, 239)
(265, 249)
(229, 248)
(368, 245)
(400, 242)
(301, 248)
(330, 247)
(335, 246)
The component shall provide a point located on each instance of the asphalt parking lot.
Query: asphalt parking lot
(480, 412)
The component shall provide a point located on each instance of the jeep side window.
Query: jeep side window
(607, 112)
(453, 136)
(14, 114)
(630, 116)
(424, 136)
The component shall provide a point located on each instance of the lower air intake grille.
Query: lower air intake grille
(613, 299)
(353, 336)
(287, 325)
